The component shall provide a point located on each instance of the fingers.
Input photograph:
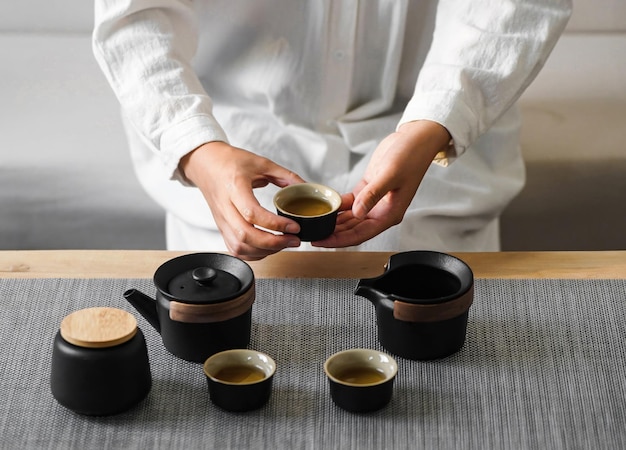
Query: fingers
(351, 231)
(250, 243)
(368, 197)
(226, 176)
(245, 239)
(253, 213)
(285, 177)
(268, 171)
(347, 200)
(251, 232)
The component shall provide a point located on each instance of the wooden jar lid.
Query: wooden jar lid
(98, 327)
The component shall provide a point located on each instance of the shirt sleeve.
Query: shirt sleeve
(483, 55)
(144, 49)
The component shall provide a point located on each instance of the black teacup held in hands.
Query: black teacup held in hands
(203, 304)
(99, 362)
(313, 206)
(422, 302)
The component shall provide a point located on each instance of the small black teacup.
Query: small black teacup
(240, 379)
(361, 380)
(313, 206)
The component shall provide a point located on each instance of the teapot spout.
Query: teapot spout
(145, 305)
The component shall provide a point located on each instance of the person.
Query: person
(226, 101)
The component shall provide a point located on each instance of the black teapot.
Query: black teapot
(203, 304)
(422, 303)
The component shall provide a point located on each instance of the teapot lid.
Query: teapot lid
(204, 278)
(204, 285)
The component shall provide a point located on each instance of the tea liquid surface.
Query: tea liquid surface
(240, 374)
(307, 206)
(360, 375)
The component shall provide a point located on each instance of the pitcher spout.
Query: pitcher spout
(366, 289)
(145, 305)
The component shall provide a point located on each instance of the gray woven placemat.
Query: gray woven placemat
(543, 367)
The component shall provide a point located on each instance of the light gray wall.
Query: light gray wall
(74, 16)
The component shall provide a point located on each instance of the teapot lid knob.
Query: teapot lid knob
(204, 275)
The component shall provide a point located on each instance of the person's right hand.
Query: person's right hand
(226, 176)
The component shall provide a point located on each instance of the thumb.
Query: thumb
(367, 198)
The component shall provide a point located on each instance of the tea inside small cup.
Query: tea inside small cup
(307, 206)
(361, 380)
(360, 375)
(240, 374)
(239, 379)
(313, 206)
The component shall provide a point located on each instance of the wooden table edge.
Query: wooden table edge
(325, 264)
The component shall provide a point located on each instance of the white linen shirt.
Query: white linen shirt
(316, 85)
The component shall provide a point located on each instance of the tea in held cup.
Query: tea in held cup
(313, 206)
(240, 379)
(361, 380)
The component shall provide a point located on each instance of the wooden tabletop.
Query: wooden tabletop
(291, 264)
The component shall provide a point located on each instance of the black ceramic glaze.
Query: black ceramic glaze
(240, 397)
(361, 399)
(313, 228)
(197, 341)
(420, 340)
(100, 381)
(174, 281)
(422, 278)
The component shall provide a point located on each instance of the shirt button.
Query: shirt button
(340, 55)
(330, 126)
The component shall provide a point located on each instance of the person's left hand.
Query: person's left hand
(381, 198)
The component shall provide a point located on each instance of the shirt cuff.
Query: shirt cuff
(449, 111)
(180, 139)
